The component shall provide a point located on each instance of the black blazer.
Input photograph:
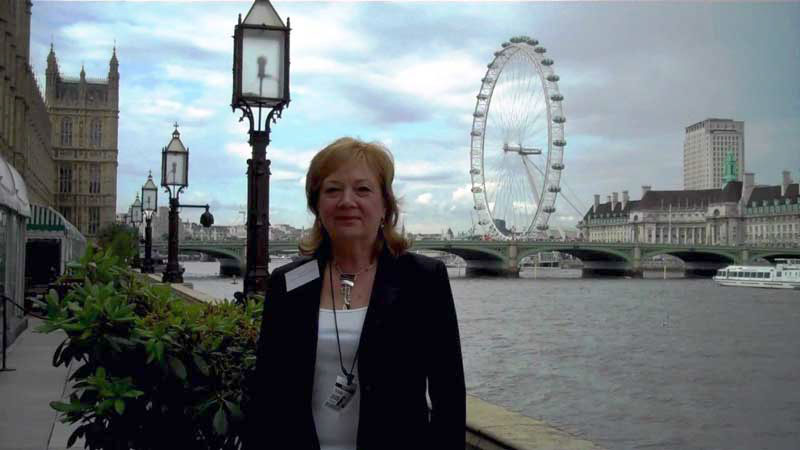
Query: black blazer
(409, 342)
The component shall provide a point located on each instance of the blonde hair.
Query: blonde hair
(330, 159)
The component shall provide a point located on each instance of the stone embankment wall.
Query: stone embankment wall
(489, 427)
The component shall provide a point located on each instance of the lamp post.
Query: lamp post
(260, 80)
(149, 207)
(136, 219)
(174, 179)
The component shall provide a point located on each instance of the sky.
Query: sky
(406, 74)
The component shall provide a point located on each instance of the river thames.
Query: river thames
(672, 364)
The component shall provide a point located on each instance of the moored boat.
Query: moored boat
(784, 275)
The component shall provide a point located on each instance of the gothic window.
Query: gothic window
(96, 133)
(65, 179)
(94, 178)
(66, 131)
(94, 219)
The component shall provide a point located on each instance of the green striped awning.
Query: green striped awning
(44, 218)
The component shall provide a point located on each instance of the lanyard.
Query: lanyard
(347, 374)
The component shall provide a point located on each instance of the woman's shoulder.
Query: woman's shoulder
(296, 262)
(416, 262)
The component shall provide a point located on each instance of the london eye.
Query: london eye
(517, 142)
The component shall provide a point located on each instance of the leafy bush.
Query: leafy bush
(153, 371)
(121, 239)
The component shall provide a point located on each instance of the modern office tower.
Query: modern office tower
(705, 148)
(84, 114)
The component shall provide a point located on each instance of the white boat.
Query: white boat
(784, 275)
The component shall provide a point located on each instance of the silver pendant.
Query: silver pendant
(347, 282)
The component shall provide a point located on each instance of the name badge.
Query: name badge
(342, 393)
(302, 275)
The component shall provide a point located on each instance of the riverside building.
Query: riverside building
(740, 212)
(705, 148)
(84, 114)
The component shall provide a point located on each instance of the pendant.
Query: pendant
(346, 281)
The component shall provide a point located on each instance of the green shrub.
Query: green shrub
(151, 371)
(121, 239)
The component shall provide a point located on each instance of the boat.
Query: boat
(784, 275)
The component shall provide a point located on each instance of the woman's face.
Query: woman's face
(351, 203)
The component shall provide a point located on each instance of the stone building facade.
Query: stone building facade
(705, 147)
(737, 214)
(84, 114)
(24, 124)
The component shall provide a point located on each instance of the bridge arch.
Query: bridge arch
(465, 252)
(772, 254)
(698, 263)
(691, 255)
(582, 252)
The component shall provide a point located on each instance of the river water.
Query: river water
(672, 364)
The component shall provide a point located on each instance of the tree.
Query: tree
(120, 239)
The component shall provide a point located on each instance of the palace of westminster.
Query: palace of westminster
(63, 145)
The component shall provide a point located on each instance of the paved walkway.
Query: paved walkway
(26, 420)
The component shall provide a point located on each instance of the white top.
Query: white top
(336, 430)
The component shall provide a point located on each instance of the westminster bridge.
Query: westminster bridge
(502, 258)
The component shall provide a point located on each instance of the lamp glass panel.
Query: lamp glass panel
(137, 213)
(149, 200)
(176, 168)
(262, 63)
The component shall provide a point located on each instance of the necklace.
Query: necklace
(347, 282)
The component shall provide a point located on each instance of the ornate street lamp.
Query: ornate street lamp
(149, 207)
(174, 179)
(260, 80)
(135, 214)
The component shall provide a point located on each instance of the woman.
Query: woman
(357, 331)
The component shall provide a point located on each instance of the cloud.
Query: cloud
(424, 199)
(463, 195)
(631, 86)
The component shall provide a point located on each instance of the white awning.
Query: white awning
(13, 193)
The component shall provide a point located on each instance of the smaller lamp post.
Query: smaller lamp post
(136, 219)
(149, 207)
(260, 80)
(174, 179)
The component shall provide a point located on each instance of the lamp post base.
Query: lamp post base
(172, 276)
(147, 266)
